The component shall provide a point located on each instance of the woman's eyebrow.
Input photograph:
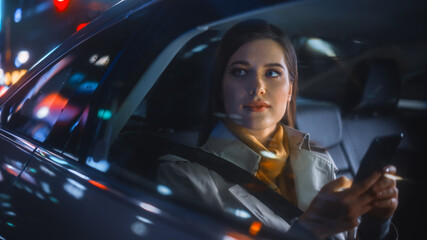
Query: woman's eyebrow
(245, 63)
(239, 62)
(274, 65)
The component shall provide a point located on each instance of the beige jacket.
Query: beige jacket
(312, 170)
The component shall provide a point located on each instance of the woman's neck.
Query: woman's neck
(263, 135)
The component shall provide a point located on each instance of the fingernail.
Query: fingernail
(387, 170)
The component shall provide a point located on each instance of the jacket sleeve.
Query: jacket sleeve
(372, 228)
(189, 181)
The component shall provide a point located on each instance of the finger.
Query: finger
(337, 185)
(366, 208)
(363, 200)
(387, 203)
(387, 193)
(383, 184)
(365, 185)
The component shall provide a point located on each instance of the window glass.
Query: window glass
(171, 117)
(175, 109)
(55, 103)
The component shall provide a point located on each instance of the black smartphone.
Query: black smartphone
(379, 154)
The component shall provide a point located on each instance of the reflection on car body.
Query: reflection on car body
(81, 133)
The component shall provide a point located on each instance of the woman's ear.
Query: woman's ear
(290, 92)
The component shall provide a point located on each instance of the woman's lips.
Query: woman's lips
(258, 106)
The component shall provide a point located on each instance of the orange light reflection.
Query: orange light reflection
(255, 228)
(97, 184)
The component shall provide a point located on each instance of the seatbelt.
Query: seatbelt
(231, 172)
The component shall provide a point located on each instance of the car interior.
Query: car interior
(359, 78)
(353, 86)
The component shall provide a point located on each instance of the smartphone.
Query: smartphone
(379, 154)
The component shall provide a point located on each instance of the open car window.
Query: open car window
(175, 109)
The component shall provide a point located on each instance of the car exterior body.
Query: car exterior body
(143, 68)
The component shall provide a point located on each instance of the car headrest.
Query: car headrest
(382, 86)
(322, 120)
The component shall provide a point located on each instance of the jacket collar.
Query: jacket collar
(223, 143)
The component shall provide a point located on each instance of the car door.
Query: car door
(69, 190)
(63, 193)
(15, 152)
(45, 117)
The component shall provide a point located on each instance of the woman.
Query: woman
(256, 72)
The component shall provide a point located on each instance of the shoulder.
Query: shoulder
(189, 180)
(300, 141)
(174, 166)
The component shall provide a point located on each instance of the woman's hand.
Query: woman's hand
(386, 194)
(339, 204)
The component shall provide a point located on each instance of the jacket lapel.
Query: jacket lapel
(304, 162)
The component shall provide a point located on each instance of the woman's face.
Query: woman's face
(256, 85)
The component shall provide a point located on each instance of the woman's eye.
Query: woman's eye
(272, 73)
(239, 72)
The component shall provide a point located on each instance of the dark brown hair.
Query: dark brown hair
(243, 33)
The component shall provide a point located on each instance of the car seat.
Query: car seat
(375, 114)
(347, 138)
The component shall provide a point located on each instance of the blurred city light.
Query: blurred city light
(3, 90)
(103, 61)
(17, 16)
(80, 26)
(104, 114)
(47, 171)
(21, 58)
(162, 189)
(255, 228)
(97, 184)
(150, 208)
(13, 77)
(139, 229)
(142, 219)
(74, 188)
(101, 165)
(61, 5)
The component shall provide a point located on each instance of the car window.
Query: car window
(53, 105)
(175, 109)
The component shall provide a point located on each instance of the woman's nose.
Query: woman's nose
(257, 87)
(257, 91)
